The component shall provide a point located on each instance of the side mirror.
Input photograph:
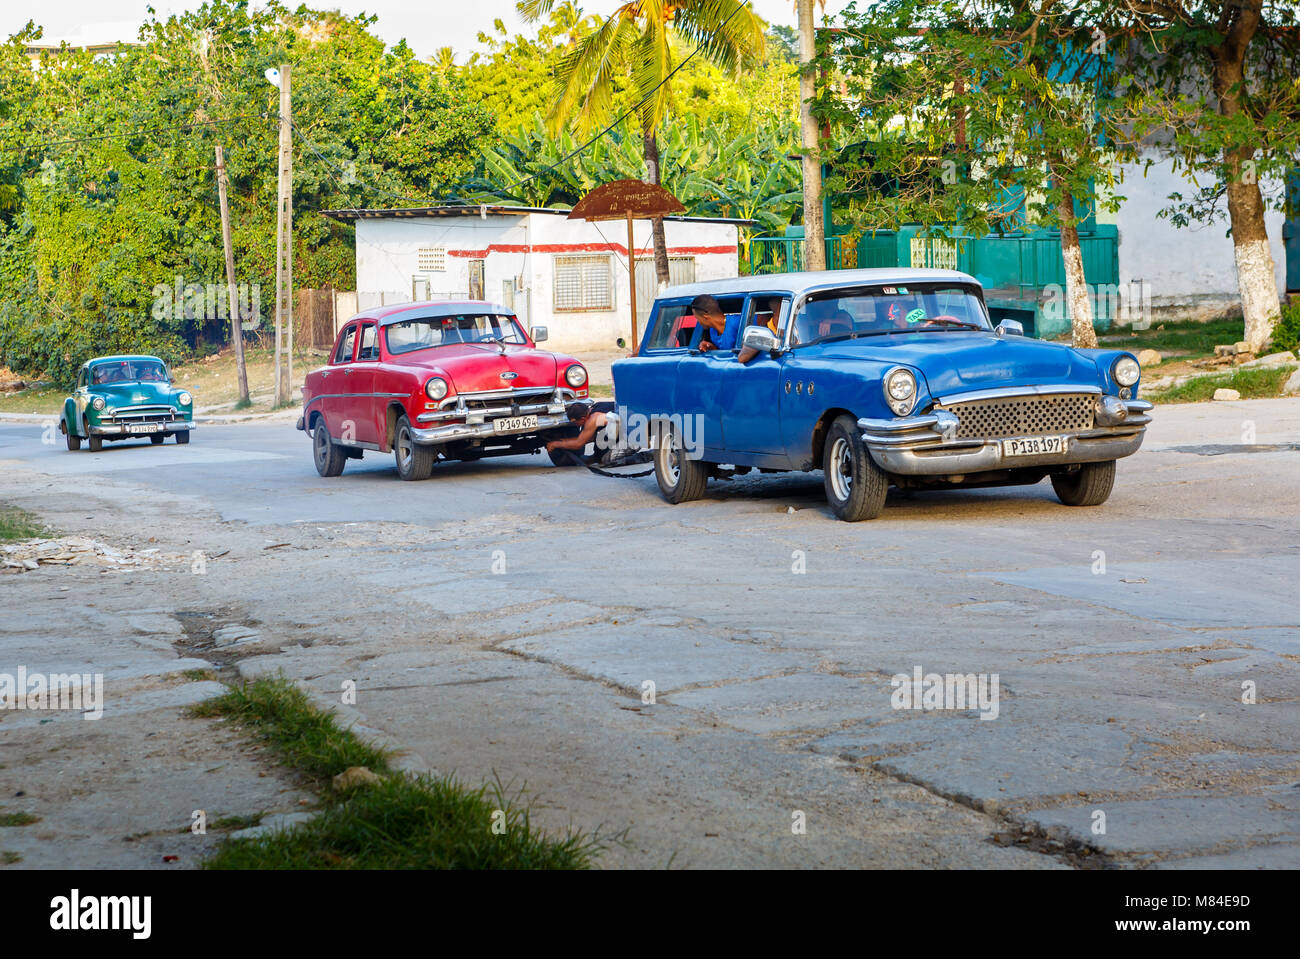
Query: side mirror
(760, 338)
(1011, 328)
(539, 334)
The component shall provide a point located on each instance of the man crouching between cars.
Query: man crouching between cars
(586, 420)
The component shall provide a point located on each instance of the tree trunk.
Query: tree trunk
(1076, 286)
(814, 230)
(1256, 281)
(651, 144)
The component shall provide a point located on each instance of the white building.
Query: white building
(567, 275)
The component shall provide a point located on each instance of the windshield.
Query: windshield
(128, 371)
(426, 332)
(914, 308)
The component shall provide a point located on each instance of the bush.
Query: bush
(1286, 334)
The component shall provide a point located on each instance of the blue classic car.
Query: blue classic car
(878, 378)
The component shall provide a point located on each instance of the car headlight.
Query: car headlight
(97, 402)
(575, 376)
(436, 388)
(1126, 371)
(185, 399)
(900, 390)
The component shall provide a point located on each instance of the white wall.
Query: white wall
(1191, 268)
(523, 245)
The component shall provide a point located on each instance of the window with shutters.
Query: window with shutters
(583, 283)
(432, 259)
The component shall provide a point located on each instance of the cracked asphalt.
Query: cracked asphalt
(502, 621)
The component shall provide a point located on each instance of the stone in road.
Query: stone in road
(506, 619)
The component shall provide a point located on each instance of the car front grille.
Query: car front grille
(141, 414)
(1023, 415)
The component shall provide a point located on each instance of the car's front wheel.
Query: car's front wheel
(94, 443)
(328, 455)
(680, 478)
(855, 486)
(73, 440)
(182, 436)
(1089, 485)
(157, 438)
(414, 461)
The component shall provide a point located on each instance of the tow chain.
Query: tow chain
(631, 459)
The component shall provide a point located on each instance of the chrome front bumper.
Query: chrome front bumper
(482, 431)
(121, 429)
(926, 445)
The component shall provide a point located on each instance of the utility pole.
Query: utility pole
(814, 229)
(236, 321)
(284, 251)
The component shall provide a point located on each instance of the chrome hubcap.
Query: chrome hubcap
(841, 469)
(668, 458)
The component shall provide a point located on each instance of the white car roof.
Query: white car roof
(800, 283)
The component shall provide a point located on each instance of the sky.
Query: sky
(425, 24)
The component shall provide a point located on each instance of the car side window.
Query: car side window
(767, 310)
(81, 380)
(344, 352)
(731, 310)
(673, 328)
(369, 344)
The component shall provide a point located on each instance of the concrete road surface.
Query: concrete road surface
(702, 679)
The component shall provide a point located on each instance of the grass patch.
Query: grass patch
(235, 822)
(16, 524)
(411, 822)
(306, 738)
(8, 857)
(1180, 338)
(18, 819)
(199, 675)
(601, 391)
(36, 399)
(404, 822)
(1252, 384)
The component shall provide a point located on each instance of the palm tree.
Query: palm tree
(635, 41)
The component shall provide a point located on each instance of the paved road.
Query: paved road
(503, 618)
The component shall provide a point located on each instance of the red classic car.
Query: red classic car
(456, 380)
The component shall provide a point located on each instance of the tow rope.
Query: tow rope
(631, 459)
(634, 458)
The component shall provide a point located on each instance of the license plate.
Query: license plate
(512, 424)
(143, 428)
(1033, 445)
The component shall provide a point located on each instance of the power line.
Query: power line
(627, 113)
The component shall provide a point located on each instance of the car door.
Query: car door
(750, 397)
(644, 384)
(359, 415)
(333, 382)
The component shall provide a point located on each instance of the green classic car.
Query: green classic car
(124, 397)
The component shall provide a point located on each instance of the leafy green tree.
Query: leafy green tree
(981, 115)
(1218, 85)
(636, 41)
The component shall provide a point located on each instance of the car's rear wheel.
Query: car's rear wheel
(328, 455)
(182, 436)
(414, 461)
(157, 438)
(680, 478)
(855, 486)
(73, 440)
(94, 443)
(1089, 485)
